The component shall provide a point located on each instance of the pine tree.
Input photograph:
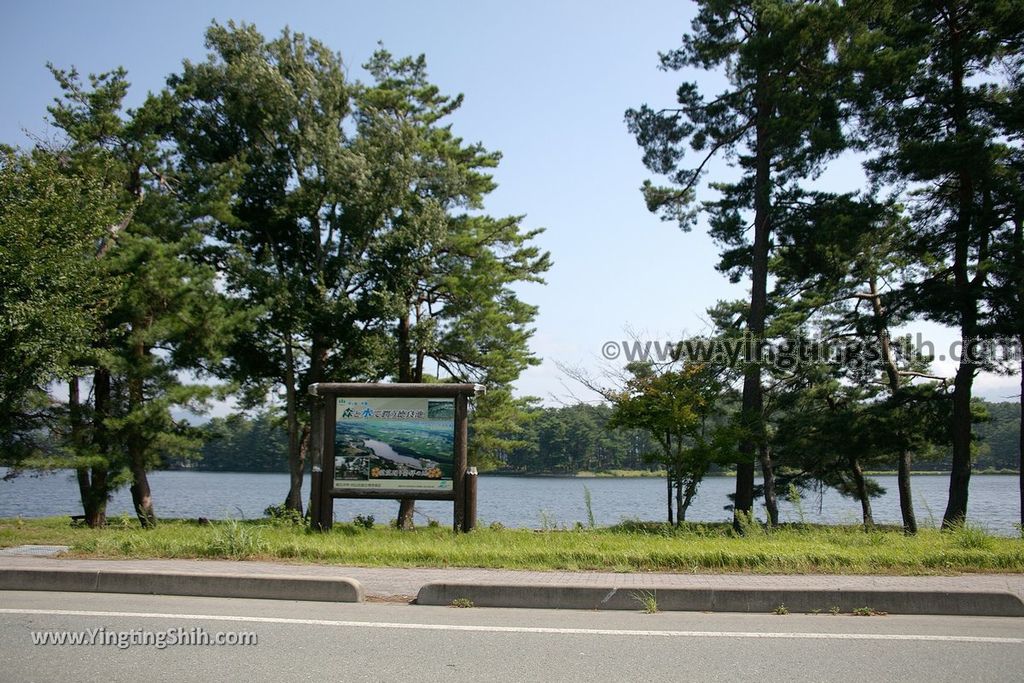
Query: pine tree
(777, 121)
(161, 314)
(929, 97)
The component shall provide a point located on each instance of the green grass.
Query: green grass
(631, 546)
(647, 600)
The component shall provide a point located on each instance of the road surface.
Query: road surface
(395, 642)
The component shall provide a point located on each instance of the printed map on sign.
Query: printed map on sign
(394, 443)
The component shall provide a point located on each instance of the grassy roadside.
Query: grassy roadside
(631, 546)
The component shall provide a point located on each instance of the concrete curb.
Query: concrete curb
(954, 603)
(267, 587)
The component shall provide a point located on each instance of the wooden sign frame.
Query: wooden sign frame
(324, 420)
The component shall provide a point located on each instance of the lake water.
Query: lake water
(513, 501)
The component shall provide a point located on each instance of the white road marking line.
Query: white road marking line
(522, 629)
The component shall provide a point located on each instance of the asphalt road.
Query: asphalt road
(396, 642)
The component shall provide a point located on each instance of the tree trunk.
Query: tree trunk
(94, 503)
(893, 375)
(296, 464)
(966, 290)
(688, 495)
(960, 474)
(753, 392)
(406, 509)
(317, 362)
(906, 498)
(406, 506)
(142, 496)
(417, 375)
(771, 502)
(668, 483)
(404, 351)
(862, 492)
(680, 509)
(92, 484)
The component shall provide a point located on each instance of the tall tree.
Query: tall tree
(161, 314)
(681, 410)
(268, 165)
(448, 272)
(51, 292)
(778, 120)
(348, 216)
(842, 259)
(929, 96)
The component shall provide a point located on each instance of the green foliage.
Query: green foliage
(463, 603)
(648, 601)
(777, 121)
(347, 218)
(867, 612)
(240, 444)
(283, 515)
(999, 437)
(501, 428)
(748, 524)
(363, 521)
(679, 409)
(587, 503)
(160, 312)
(934, 116)
(51, 292)
(796, 500)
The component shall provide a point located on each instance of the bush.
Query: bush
(284, 515)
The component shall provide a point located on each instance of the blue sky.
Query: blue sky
(546, 83)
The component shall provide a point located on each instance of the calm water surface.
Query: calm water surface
(513, 501)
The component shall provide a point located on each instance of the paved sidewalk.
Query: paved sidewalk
(491, 587)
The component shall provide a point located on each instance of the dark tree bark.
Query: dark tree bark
(142, 496)
(668, 485)
(966, 290)
(895, 386)
(688, 495)
(296, 462)
(771, 502)
(753, 392)
(93, 490)
(94, 503)
(906, 497)
(680, 508)
(960, 473)
(862, 492)
(407, 506)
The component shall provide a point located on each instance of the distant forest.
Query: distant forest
(564, 440)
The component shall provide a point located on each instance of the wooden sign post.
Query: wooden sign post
(397, 441)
